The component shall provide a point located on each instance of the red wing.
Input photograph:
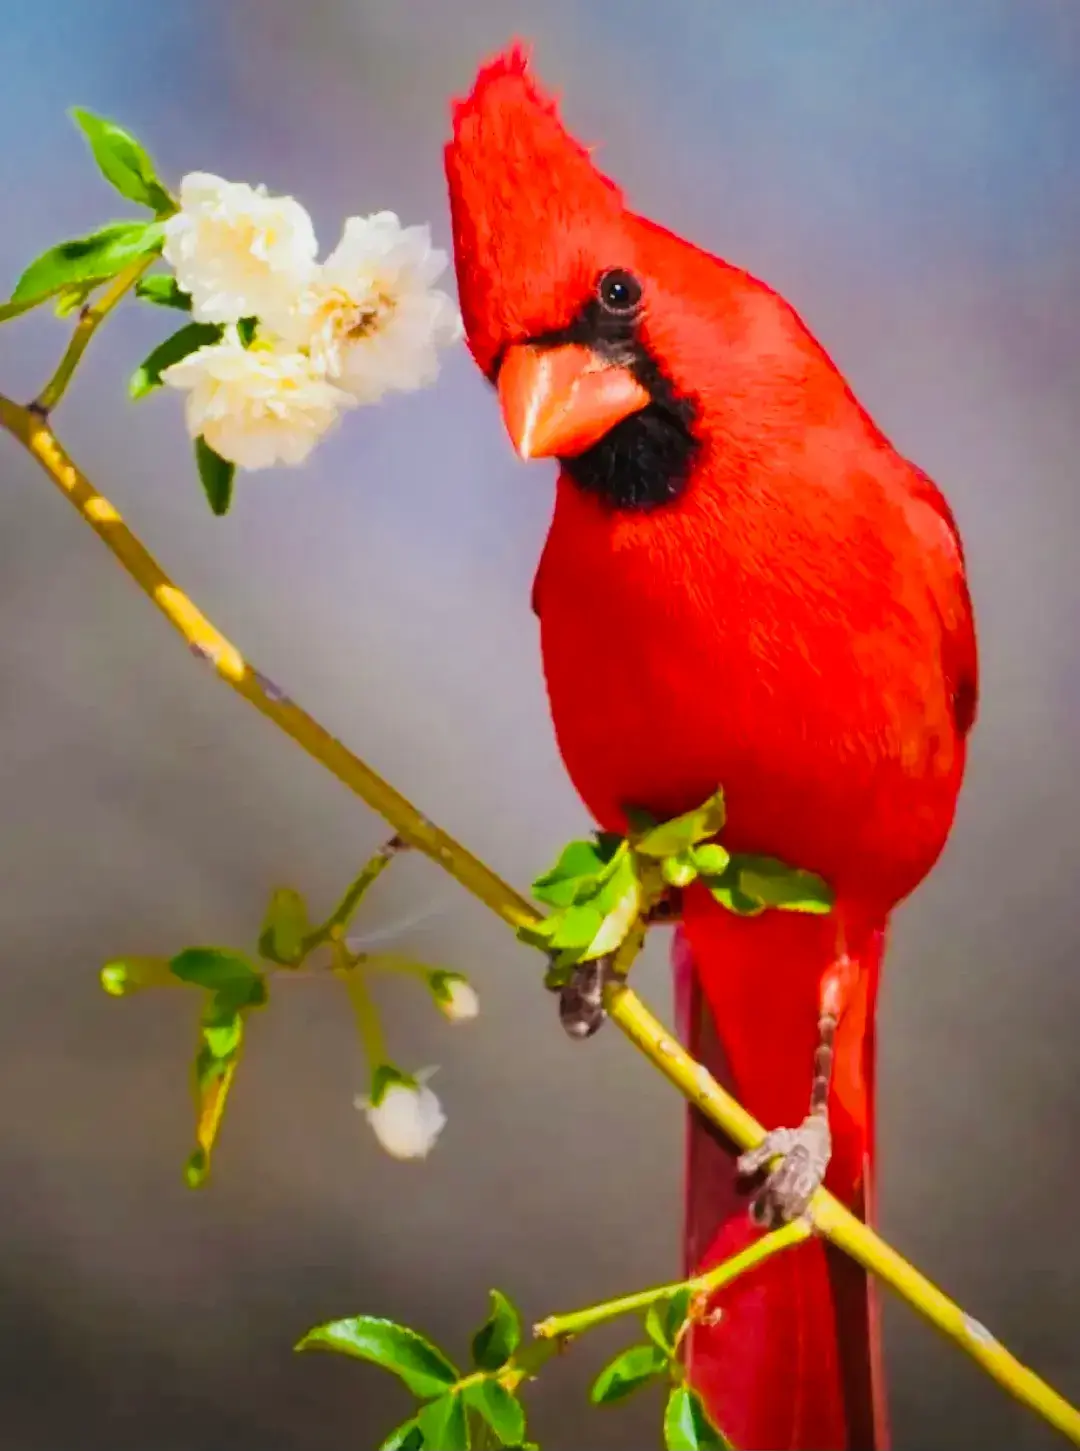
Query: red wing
(937, 530)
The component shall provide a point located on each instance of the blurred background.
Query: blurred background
(906, 175)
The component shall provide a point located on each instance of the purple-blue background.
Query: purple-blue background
(906, 174)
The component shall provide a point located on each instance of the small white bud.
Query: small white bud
(454, 996)
(404, 1113)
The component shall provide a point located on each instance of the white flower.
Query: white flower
(455, 996)
(370, 316)
(237, 251)
(256, 406)
(408, 1118)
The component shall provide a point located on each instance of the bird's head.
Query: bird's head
(614, 345)
(559, 293)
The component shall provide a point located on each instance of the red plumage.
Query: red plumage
(790, 619)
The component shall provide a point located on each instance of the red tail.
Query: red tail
(794, 1362)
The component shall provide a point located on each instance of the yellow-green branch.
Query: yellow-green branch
(625, 1008)
(560, 1327)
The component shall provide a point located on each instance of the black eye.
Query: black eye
(619, 291)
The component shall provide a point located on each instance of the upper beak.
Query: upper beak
(561, 400)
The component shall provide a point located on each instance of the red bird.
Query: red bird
(744, 584)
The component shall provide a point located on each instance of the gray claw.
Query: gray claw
(804, 1156)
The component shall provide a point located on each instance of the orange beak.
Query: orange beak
(560, 401)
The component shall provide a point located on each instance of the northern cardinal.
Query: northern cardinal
(744, 584)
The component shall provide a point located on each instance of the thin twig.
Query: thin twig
(91, 316)
(576, 1322)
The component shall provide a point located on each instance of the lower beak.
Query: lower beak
(562, 400)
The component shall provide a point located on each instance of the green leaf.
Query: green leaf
(406, 1437)
(221, 1037)
(126, 975)
(726, 891)
(539, 933)
(499, 1336)
(577, 926)
(196, 1168)
(617, 923)
(123, 161)
(665, 1318)
(500, 1408)
(164, 291)
(679, 871)
(100, 255)
(444, 1424)
(777, 885)
(397, 1348)
(213, 967)
(686, 1426)
(188, 339)
(672, 837)
(216, 475)
(627, 1373)
(284, 927)
(574, 875)
(710, 858)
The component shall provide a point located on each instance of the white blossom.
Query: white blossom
(256, 406)
(408, 1117)
(370, 316)
(455, 996)
(237, 251)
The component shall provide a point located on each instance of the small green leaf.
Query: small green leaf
(123, 161)
(196, 1168)
(188, 339)
(627, 1373)
(540, 932)
(397, 1348)
(500, 1408)
(213, 967)
(444, 1425)
(164, 291)
(777, 885)
(216, 475)
(284, 927)
(406, 1437)
(499, 1336)
(246, 329)
(126, 975)
(679, 871)
(574, 875)
(686, 1426)
(617, 923)
(672, 837)
(665, 1318)
(729, 895)
(577, 926)
(100, 255)
(223, 1037)
(710, 858)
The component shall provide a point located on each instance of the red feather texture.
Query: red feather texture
(795, 626)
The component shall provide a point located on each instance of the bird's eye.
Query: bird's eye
(619, 291)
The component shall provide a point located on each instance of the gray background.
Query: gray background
(906, 175)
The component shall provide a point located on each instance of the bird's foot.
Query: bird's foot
(804, 1155)
(581, 998)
